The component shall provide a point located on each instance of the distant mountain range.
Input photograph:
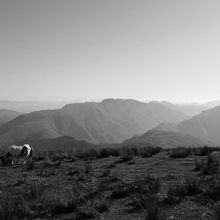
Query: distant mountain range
(190, 109)
(30, 106)
(114, 121)
(110, 121)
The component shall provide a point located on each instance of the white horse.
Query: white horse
(13, 153)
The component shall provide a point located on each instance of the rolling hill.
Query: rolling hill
(165, 139)
(61, 143)
(110, 121)
(7, 115)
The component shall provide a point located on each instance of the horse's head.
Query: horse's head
(24, 152)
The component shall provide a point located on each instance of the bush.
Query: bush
(44, 199)
(86, 168)
(212, 189)
(98, 152)
(121, 190)
(30, 165)
(210, 165)
(108, 182)
(62, 200)
(144, 185)
(126, 158)
(85, 154)
(7, 207)
(193, 186)
(213, 206)
(213, 161)
(154, 212)
(202, 151)
(176, 193)
(13, 207)
(149, 151)
(106, 152)
(106, 172)
(180, 152)
(91, 207)
(199, 164)
(147, 203)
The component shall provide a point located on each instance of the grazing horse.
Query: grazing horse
(14, 152)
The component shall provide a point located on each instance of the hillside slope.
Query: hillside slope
(7, 115)
(61, 143)
(110, 121)
(165, 139)
(166, 126)
(205, 126)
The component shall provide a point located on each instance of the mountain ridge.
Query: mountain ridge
(7, 115)
(165, 139)
(110, 121)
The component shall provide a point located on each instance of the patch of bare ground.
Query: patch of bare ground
(160, 186)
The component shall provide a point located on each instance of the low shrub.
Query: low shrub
(154, 212)
(193, 186)
(202, 151)
(126, 158)
(210, 165)
(148, 204)
(179, 152)
(140, 185)
(199, 164)
(214, 207)
(176, 193)
(91, 207)
(30, 165)
(8, 207)
(149, 151)
(212, 189)
(86, 168)
(106, 172)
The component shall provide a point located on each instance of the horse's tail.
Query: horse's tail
(3, 161)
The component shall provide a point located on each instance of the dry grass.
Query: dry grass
(78, 187)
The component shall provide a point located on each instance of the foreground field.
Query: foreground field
(155, 187)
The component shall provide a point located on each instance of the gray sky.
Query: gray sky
(94, 49)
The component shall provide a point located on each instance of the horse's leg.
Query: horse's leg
(25, 161)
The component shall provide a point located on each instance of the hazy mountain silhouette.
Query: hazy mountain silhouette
(190, 109)
(212, 104)
(7, 115)
(110, 121)
(30, 106)
(165, 139)
(205, 126)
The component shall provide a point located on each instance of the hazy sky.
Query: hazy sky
(94, 49)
